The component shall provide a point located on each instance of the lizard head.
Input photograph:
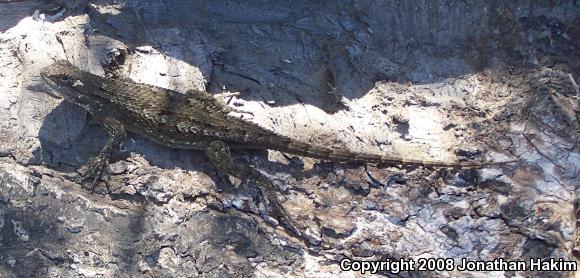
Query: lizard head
(65, 78)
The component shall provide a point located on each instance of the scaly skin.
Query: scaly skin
(193, 120)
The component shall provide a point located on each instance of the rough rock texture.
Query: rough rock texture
(441, 80)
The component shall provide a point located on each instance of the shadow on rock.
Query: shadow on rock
(12, 12)
(321, 52)
(46, 224)
(31, 240)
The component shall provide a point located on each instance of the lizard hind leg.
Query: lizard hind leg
(97, 165)
(219, 155)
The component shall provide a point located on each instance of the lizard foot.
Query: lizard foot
(98, 165)
(95, 169)
(279, 213)
(219, 155)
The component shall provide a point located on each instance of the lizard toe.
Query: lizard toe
(95, 169)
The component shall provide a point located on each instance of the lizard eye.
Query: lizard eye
(64, 78)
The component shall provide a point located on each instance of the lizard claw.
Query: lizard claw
(95, 169)
(290, 225)
(279, 213)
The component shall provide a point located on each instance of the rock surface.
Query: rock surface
(447, 80)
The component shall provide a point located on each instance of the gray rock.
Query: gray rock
(491, 77)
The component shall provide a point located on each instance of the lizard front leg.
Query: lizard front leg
(219, 155)
(97, 165)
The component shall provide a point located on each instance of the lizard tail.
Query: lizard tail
(304, 149)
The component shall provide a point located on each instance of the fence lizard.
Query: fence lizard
(194, 120)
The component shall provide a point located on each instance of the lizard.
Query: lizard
(194, 120)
